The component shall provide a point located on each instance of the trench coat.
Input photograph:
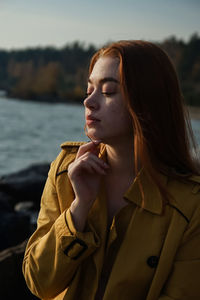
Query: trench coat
(159, 258)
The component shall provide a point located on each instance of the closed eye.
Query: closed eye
(108, 93)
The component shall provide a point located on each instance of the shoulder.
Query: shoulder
(185, 195)
(65, 157)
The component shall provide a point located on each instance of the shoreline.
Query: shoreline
(194, 111)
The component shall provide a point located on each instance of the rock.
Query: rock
(20, 195)
(25, 185)
(27, 208)
(24, 206)
(5, 201)
(14, 228)
(13, 284)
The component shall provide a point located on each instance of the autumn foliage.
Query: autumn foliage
(51, 74)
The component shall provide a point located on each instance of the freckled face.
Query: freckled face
(107, 117)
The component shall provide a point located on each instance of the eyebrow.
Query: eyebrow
(106, 79)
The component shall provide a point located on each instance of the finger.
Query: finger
(89, 147)
(83, 166)
(86, 167)
(93, 167)
(79, 166)
(90, 156)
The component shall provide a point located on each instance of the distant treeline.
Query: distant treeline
(52, 74)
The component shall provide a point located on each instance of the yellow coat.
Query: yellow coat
(159, 258)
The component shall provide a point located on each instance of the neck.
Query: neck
(120, 156)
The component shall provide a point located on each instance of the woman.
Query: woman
(120, 215)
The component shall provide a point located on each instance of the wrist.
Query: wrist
(79, 212)
(81, 204)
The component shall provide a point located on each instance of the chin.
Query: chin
(93, 135)
(105, 139)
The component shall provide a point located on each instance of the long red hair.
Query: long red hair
(163, 137)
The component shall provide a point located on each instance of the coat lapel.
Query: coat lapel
(142, 242)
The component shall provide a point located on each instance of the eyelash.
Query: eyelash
(108, 94)
(103, 93)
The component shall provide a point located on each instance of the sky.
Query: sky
(33, 23)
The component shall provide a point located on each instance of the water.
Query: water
(32, 132)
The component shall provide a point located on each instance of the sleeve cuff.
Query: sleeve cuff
(79, 244)
(70, 222)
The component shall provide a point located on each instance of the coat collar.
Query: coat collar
(153, 200)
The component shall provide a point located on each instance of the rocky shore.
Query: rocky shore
(20, 195)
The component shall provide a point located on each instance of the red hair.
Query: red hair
(162, 131)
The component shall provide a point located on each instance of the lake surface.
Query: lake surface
(32, 132)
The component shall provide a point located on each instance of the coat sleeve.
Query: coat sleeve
(55, 251)
(184, 280)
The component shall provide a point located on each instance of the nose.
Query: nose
(91, 102)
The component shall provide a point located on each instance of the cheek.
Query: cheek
(115, 108)
(120, 112)
(125, 119)
(116, 113)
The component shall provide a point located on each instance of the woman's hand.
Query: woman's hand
(85, 174)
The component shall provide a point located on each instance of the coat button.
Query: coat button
(152, 261)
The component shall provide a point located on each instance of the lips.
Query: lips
(91, 120)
